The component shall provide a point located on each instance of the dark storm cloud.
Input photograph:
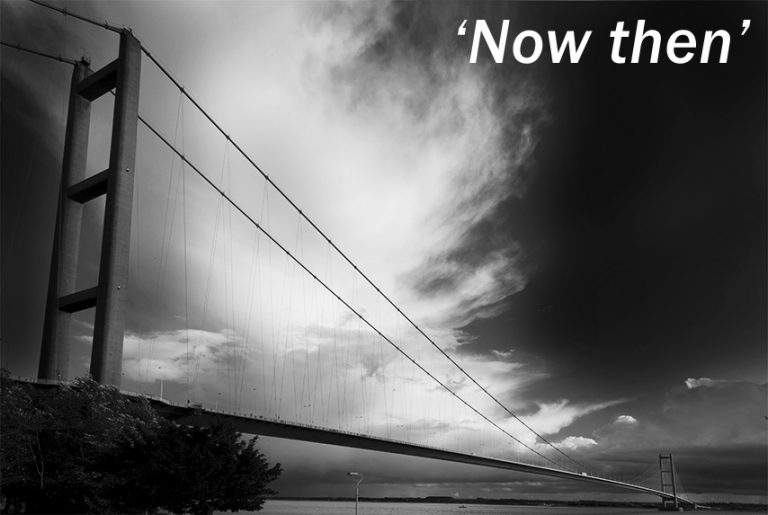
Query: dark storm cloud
(714, 428)
(643, 226)
(645, 217)
(718, 412)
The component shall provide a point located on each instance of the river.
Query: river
(274, 507)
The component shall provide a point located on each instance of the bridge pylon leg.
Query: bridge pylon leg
(667, 476)
(116, 182)
(54, 354)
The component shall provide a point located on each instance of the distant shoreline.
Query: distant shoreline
(524, 502)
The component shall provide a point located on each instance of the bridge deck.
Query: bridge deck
(255, 425)
(295, 431)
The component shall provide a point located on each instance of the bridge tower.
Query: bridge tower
(667, 473)
(116, 182)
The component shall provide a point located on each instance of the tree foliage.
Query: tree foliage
(84, 448)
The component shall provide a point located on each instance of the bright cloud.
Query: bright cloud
(172, 355)
(400, 176)
(576, 442)
(553, 417)
(692, 383)
(625, 419)
(429, 153)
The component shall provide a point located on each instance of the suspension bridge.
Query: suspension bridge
(313, 349)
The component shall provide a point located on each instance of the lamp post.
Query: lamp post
(357, 486)
(160, 368)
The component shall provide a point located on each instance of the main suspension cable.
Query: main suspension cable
(59, 58)
(329, 289)
(285, 196)
(165, 71)
(66, 12)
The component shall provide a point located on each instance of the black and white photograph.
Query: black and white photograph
(383, 257)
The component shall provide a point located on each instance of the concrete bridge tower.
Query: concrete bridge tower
(667, 473)
(116, 182)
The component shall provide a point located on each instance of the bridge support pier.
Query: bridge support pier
(116, 182)
(667, 475)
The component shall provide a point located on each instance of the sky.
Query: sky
(587, 240)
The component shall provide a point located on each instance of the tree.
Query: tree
(55, 442)
(85, 448)
(202, 469)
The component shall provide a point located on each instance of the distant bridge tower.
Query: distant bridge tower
(667, 473)
(116, 182)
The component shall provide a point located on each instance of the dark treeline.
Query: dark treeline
(84, 448)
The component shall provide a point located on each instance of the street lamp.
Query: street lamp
(357, 486)
(161, 381)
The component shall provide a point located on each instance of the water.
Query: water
(274, 507)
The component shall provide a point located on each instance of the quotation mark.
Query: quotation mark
(463, 29)
(744, 23)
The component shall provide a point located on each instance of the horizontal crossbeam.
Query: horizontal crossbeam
(99, 82)
(90, 188)
(78, 301)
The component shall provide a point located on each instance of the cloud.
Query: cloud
(692, 383)
(717, 411)
(625, 419)
(716, 434)
(446, 132)
(576, 442)
(362, 386)
(729, 414)
(347, 379)
(502, 354)
(174, 355)
(552, 417)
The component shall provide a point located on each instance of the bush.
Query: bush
(84, 448)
